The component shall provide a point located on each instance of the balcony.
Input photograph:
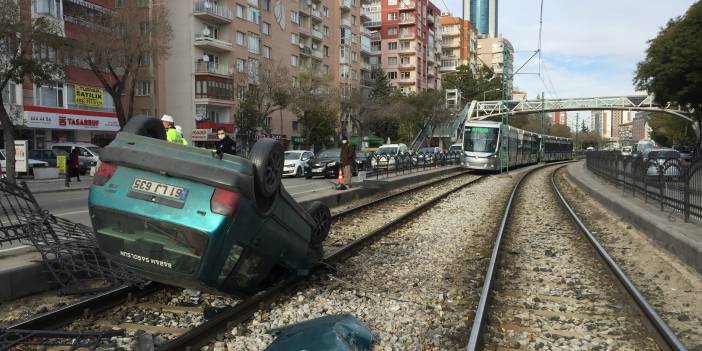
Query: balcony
(431, 20)
(206, 42)
(406, 81)
(316, 14)
(344, 60)
(431, 71)
(375, 36)
(411, 49)
(430, 57)
(316, 54)
(228, 127)
(212, 68)
(451, 44)
(366, 66)
(366, 49)
(366, 32)
(211, 12)
(346, 4)
(305, 50)
(372, 24)
(317, 34)
(346, 22)
(366, 14)
(407, 5)
(404, 20)
(406, 35)
(406, 65)
(449, 65)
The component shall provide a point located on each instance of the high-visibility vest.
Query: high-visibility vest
(173, 136)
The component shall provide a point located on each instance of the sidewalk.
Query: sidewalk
(57, 185)
(683, 240)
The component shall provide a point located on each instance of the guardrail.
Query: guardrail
(673, 183)
(386, 165)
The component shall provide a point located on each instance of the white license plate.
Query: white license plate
(317, 169)
(159, 189)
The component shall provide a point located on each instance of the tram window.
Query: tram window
(480, 139)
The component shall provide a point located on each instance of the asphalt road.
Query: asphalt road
(73, 205)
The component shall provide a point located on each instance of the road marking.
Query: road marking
(70, 213)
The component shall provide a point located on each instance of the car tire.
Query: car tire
(145, 126)
(267, 158)
(322, 222)
(308, 176)
(298, 173)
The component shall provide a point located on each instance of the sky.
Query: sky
(588, 48)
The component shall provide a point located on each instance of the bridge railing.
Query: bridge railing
(674, 184)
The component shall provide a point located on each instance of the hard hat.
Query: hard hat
(179, 129)
(167, 118)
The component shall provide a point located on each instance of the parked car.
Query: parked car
(686, 152)
(456, 148)
(656, 158)
(363, 160)
(31, 163)
(326, 164)
(626, 151)
(389, 154)
(427, 155)
(46, 155)
(88, 154)
(295, 162)
(188, 217)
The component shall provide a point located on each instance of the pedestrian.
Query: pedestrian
(172, 134)
(73, 166)
(347, 158)
(225, 144)
(182, 138)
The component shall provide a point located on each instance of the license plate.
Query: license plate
(317, 169)
(159, 189)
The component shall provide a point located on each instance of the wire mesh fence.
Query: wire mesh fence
(674, 184)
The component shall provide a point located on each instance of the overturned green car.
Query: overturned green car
(189, 217)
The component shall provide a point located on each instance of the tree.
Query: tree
(120, 43)
(670, 131)
(272, 91)
(247, 120)
(483, 84)
(19, 37)
(381, 88)
(428, 111)
(671, 69)
(560, 130)
(315, 105)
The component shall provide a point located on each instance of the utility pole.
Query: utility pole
(504, 142)
(577, 121)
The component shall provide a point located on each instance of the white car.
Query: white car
(31, 163)
(386, 155)
(294, 164)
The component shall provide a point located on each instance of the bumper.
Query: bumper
(486, 163)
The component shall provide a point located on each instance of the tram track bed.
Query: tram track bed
(673, 288)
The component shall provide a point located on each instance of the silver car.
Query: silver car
(657, 158)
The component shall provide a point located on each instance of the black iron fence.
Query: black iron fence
(387, 165)
(674, 184)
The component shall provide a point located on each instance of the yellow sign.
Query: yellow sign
(61, 164)
(88, 96)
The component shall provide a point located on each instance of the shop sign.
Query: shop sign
(88, 96)
(21, 156)
(298, 139)
(55, 118)
(200, 134)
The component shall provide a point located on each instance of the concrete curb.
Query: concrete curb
(57, 190)
(640, 214)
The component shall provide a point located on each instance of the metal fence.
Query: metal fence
(387, 165)
(674, 184)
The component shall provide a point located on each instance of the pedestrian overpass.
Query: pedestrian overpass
(451, 131)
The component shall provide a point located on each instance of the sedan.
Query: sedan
(656, 159)
(295, 161)
(31, 163)
(191, 218)
(326, 164)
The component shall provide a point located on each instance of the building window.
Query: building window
(51, 96)
(240, 38)
(143, 88)
(47, 8)
(354, 56)
(392, 60)
(142, 3)
(325, 11)
(404, 45)
(326, 51)
(295, 126)
(293, 60)
(405, 32)
(392, 45)
(240, 11)
(240, 65)
(253, 70)
(392, 2)
(404, 75)
(266, 28)
(405, 60)
(392, 31)
(145, 60)
(293, 38)
(344, 71)
(295, 82)
(353, 19)
(325, 31)
(354, 74)
(266, 5)
(392, 16)
(294, 17)
(253, 15)
(254, 43)
(43, 52)
(325, 68)
(267, 52)
(392, 75)
(213, 115)
(9, 94)
(119, 4)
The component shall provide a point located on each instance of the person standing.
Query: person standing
(73, 166)
(225, 144)
(172, 134)
(347, 158)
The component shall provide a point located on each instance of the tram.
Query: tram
(482, 141)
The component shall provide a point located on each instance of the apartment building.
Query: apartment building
(560, 117)
(459, 44)
(491, 54)
(77, 109)
(408, 43)
(602, 123)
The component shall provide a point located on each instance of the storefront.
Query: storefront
(43, 125)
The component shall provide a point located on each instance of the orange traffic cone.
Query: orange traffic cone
(340, 179)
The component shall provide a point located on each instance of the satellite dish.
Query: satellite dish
(206, 32)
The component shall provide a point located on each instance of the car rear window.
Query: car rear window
(387, 151)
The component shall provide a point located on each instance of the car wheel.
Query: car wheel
(307, 176)
(298, 173)
(322, 222)
(267, 157)
(145, 126)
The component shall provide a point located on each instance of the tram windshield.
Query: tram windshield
(480, 139)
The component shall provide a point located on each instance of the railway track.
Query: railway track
(344, 243)
(551, 285)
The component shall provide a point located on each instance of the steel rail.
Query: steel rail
(664, 336)
(480, 319)
(241, 312)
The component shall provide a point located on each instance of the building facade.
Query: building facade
(407, 45)
(498, 55)
(640, 129)
(560, 117)
(482, 13)
(459, 44)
